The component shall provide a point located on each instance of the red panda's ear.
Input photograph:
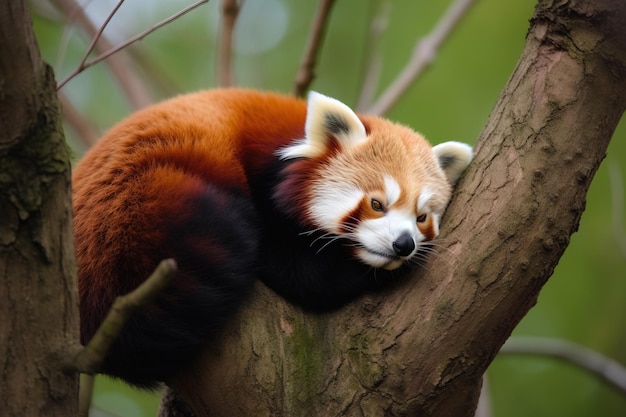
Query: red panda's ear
(327, 120)
(453, 158)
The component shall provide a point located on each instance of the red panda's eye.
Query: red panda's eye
(422, 218)
(377, 205)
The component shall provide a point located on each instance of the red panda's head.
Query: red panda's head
(377, 184)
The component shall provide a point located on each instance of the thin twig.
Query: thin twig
(121, 65)
(374, 55)
(423, 54)
(130, 41)
(306, 73)
(94, 40)
(230, 11)
(594, 362)
(88, 360)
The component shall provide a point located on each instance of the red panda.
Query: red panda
(319, 203)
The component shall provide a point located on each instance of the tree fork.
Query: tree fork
(422, 349)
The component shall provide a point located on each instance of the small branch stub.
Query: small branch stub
(589, 360)
(89, 359)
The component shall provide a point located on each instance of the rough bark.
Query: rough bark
(422, 349)
(38, 307)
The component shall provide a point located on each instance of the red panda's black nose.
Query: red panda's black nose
(404, 245)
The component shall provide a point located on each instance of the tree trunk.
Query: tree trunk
(38, 299)
(422, 349)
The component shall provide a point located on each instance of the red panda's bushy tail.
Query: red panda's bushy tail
(212, 235)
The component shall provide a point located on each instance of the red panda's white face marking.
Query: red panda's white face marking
(392, 238)
(331, 204)
(378, 185)
(392, 189)
(424, 197)
(388, 241)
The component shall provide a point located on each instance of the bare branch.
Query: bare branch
(230, 11)
(94, 40)
(589, 360)
(133, 86)
(89, 359)
(424, 53)
(316, 35)
(374, 56)
(130, 41)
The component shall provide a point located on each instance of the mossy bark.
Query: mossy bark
(38, 308)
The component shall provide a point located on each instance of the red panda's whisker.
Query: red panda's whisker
(309, 232)
(329, 236)
(333, 239)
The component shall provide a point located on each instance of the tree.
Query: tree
(420, 349)
(39, 308)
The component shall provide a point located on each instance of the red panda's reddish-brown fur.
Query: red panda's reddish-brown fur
(199, 178)
(158, 159)
(162, 152)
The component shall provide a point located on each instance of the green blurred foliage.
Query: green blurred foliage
(583, 301)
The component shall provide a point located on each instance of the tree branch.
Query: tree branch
(133, 86)
(94, 40)
(140, 36)
(39, 308)
(422, 349)
(424, 53)
(230, 11)
(88, 360)
(605, 368)
(306, 72)
(374, 56)
(92, 44)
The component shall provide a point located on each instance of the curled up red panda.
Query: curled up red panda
(319, 203)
